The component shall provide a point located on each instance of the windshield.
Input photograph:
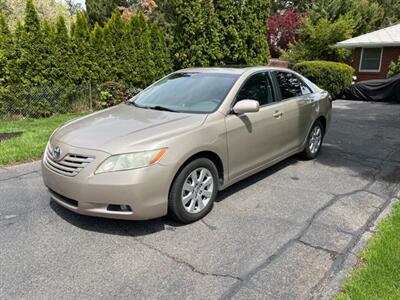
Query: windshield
(187, 92)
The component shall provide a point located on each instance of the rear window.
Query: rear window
(290, 85)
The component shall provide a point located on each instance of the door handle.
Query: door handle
(278, 114)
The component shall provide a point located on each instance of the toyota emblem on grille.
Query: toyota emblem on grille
(57, 153)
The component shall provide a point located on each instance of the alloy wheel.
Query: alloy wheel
(197, 190)
(315, 140)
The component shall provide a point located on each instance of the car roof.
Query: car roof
(231, 70)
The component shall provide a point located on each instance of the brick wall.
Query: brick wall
(389, 54)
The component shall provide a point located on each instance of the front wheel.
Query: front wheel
(314, 141)
(193, 191)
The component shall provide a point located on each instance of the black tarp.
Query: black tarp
(384, 90)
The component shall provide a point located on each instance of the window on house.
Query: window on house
(371, 59)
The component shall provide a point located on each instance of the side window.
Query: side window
(290, 85)
(258, 87)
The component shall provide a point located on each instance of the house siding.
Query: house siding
(389, 54)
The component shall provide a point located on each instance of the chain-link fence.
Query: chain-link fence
(44, 101)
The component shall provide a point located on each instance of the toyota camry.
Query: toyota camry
(174, 146)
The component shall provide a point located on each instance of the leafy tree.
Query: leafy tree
(284, 30)
(367, 15)
(391, 10)
(282, 5)
(394, 68)
(318, 40)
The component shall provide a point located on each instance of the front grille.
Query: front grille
(70, 165)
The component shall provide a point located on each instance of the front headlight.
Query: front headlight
(131, 161)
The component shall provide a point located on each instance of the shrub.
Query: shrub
(394, 68)
(110, 94)
(330, 76)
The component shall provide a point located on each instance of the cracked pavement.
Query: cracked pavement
(285, 233)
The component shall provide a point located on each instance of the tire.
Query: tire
(311, 152)
(199, 192)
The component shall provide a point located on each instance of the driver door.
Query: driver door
(254, 139)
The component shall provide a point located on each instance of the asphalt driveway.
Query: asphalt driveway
(285, 233)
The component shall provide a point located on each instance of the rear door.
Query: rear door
(297, 106)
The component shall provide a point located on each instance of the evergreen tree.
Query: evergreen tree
(160, 53)
(189, 27)
(255, 31)
(98, 48)
(80, 39)
(213, 34)
(233, 46)
(145, 66)
(114, 39)
(28, 64)
(5, 52)
(62, 54)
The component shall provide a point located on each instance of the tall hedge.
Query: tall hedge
(223, 32)
(133, 52)
(331, 76)
(37, 53)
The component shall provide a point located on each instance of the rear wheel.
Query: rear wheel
(314, 141)
(193, 191)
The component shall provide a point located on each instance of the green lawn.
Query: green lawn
(379, 274)
(30, 145)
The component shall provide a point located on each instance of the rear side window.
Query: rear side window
(290, 85)
(257, 87)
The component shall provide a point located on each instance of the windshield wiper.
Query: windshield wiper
(132, 103)
(158, 107)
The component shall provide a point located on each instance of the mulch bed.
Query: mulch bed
(9, 135)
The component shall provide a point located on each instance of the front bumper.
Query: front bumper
(145, 190)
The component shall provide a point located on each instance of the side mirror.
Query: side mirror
(246, 106)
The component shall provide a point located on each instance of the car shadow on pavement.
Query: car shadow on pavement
(256, 178)
(142, 228)
(111, 226)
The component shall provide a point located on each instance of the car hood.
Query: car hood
(125, 128)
